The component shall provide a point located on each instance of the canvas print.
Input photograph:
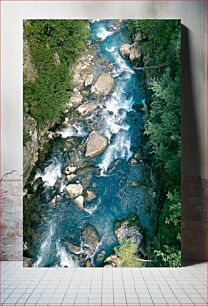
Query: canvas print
(101, 138)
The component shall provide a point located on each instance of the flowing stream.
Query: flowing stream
(111, 171)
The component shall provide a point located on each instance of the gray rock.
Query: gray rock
(96, 144)
(79, 201)
(73, 248)
(50, 135)
(125, 50)
(72, 177)
(90, 237)
(104, 85)
(70, 169)
(87, 108)
(129, 228)
(74, 190)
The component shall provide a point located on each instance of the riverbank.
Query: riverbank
(160, 49)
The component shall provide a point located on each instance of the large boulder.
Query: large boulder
(104, 85)
(131, 52)
(90, 237)
(96, 144)
(87, 108)
(74, 190)
(129, 228)
(79, 201)
(73, 248)
(125, 50)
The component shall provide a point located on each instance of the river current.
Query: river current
(116, 197)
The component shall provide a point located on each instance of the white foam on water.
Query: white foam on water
(92, 209)
(121, 64)
(113, 127)
(50, 174)
(62, 186)
(45, 248)
(118, 101)
(75, 130)
(66, 259)
(94, 20)
(120, 148)
(112, 49)
(103, 33)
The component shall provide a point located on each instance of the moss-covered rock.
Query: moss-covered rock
(129, 228)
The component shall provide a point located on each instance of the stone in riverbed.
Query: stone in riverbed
(90, 195)
(72, 177)
(79, 201)
(87, 108)
(131, 52)
(104, 85)
(55, 200)
(96, 144)
(73, 248)
(90, 237)
(74, 190)
(129, 228)
(70, 169)
(125, 50)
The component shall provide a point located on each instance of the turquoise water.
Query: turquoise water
(116, 198)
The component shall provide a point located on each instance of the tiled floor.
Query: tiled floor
(84, 286)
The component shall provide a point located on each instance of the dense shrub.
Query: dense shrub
(54, 47)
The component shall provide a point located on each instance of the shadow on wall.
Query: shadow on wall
(194, 188)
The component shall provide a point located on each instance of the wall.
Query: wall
(194, 129)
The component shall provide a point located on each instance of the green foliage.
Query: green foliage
(66, 39)
(162, 40)
(161, 44)
(52, 89)
(127, 253)
(171, 257)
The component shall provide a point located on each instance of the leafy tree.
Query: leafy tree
(161, 41)
(127, 253)
(45, 98)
